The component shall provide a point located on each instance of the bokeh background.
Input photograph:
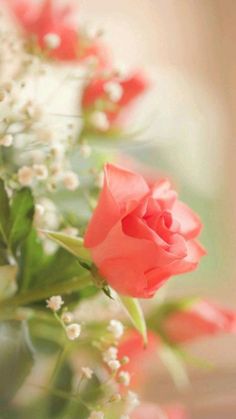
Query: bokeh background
(188, 48)
(187, 130)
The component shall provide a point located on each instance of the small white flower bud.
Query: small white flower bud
(67, 317)
(6, 140)
(114, 90)
(124, 378)
(41, 171)
(71, 180)
(110, 354)
(100, 121)
(116, 328)
(25, 175)
(73, 331)
(96, 415)
(125, 360)
(87, 372)
(55, 303)
(132, 400)
(39, 211)
(114, 365)
(52, 40)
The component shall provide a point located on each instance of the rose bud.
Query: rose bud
(141, 235)
(116, 95)
(200, 319)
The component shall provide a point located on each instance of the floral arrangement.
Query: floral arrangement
(84, 237)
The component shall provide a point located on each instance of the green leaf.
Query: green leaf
(16, 358)
(31, 260)
(21, 216)
(4, 213)
(135, 312)
(74, 245)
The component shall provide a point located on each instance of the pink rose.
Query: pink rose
(141, 235)
(152, 411)
(42, 19)
(202, 318)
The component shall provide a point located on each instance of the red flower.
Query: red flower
(152, 411)
(112, 96)
(140, 357)
(44, 20)
(202, 318)
(141, 235)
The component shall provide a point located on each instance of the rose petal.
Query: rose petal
(121, 193)
(190, 224)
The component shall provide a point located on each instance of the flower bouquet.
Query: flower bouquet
(86, 234)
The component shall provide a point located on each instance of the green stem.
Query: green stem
(46, 291)
(59, 362)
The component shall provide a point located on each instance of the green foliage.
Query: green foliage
(21, 216)
(135, 313)
(16, 217)
(74, 245)
(16, 358)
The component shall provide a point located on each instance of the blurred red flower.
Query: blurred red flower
(112, 95)
(197, 320)
(50, 23)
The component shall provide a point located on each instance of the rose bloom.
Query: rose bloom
(140, 235)
(152, 411)
(201, 319)
(115, 93)
(46, 21)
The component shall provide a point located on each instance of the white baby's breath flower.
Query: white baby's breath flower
(52, 40)
(99, 120)
(73, 331)
(114, 90)
(6, 140)
(132, 400)
(41, 171)
(124, 378)
(67, 317)
(25, 175)
(125, 360)
(96, 415)
(116, 328)
(110, 354)
(55, 302)
(87, 372)
(71, 180)
(114, 365)
(39, 210)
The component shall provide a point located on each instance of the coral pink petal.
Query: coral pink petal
(190, 224)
